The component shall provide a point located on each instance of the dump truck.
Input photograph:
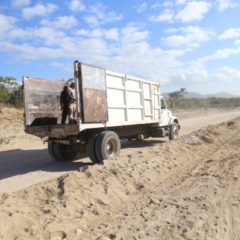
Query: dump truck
(110, 107)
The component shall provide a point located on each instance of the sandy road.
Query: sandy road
(194, 123)
(20, 168)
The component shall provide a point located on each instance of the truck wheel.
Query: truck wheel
(173, 131)
(91, 145)
(64, 152)
(107, 146)
(51, 150)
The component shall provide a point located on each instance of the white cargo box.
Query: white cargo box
(128, 100)
(131, 99)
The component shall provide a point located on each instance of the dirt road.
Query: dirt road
(183, 189)
(30, 163)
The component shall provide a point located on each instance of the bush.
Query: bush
(10, 91)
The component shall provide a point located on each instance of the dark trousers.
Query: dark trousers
(65, 112)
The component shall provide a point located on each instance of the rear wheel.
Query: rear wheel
(91, 145)
(63, 152)
(50, 149)
(173, 133)
(107, 146)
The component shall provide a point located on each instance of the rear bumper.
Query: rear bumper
(53, 131)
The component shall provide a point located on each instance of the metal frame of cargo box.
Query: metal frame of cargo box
(123, 92)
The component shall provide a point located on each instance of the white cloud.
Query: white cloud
(230, 33)
(237, 42)
(129, 52)
(48, 35)
(97, 33)
(196, 73)
(20, 3)
(18, 33)
(108, 34)
(166, 16)
(181, 2)
(92, 20)
(39, 10)
(97, 20)
(226, 73)
(220, 54)
(193, 11)
(28, 52)
(41, 35)
(99, 16)
(171, 30)
(142, 7)
(112, 34)
(132, 34)
(83, 32)
(191, 37)
(6, 24)
(225, 4)
(166, 4)
(77, 5)
(61, 22)
(66, 66)
(139, 59)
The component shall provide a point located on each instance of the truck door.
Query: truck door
(165, 113)
(42, 101)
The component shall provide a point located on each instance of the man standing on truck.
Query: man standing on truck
(65, 103)
(72, 106)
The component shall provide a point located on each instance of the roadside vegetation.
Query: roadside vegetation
(177, 100)
(11, 92)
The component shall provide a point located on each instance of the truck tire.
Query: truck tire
(64, 152)
(173, 131)
(51, 150)
(107, 146)
(91, 145)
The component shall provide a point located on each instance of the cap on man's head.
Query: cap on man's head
(72, 85)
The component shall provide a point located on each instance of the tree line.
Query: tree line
(177, 100)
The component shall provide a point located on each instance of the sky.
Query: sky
(180, 43)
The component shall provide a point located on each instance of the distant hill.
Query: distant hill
(204, 96)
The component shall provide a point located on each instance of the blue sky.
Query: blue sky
(179, 43)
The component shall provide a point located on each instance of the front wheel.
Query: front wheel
(173, 131)
(107, 146)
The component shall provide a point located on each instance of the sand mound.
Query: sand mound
(185, 189)
(12, 129)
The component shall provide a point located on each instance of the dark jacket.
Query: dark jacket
(65, 97)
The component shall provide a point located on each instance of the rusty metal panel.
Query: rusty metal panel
(95, 105)
(94, 94)
(42, 101)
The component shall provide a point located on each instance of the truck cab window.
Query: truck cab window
(163, 104)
